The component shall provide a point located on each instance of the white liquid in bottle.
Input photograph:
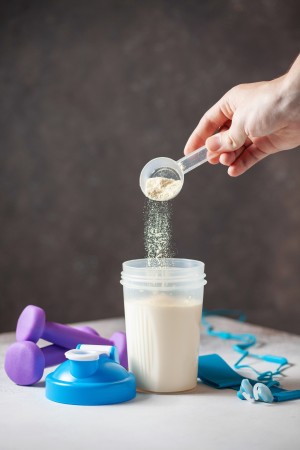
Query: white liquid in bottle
(163, 336)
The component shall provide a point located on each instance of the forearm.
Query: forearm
(291, 90)
(293, 75)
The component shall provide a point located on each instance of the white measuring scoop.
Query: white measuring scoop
(174, 170)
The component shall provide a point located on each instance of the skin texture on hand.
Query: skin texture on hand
(252, 121)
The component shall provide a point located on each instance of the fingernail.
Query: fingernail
(214, 143)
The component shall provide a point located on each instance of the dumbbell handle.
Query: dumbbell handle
(58, 331)
(55, 354)
(68, 337)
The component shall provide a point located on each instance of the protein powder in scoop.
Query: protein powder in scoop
(162, 189)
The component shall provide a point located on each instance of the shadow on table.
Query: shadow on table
(201, 389)
(39, 384)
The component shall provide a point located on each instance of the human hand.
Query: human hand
(253, 121)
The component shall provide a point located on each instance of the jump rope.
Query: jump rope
(244, 343)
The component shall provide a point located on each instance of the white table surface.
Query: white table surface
(204, 419)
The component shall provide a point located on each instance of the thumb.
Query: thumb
(228, 141)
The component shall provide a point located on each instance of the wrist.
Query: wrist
(292, 78)
(290, 90)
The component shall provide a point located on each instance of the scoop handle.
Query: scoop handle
(193, 160)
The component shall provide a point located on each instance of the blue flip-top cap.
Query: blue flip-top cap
(92, 375)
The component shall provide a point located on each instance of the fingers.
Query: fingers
(227, 159)
(212, 158)
(231, 140)
(210, 122)
(248, 158)
(239, 161)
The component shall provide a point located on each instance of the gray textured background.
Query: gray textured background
(89, 92)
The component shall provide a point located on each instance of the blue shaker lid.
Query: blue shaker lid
(92, 375)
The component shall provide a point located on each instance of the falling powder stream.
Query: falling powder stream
(158, 235)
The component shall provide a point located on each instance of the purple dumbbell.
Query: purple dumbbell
(25, 361)
(32, 326)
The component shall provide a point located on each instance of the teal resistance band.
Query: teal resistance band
(245, 342)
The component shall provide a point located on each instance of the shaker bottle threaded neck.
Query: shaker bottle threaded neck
(139, 273)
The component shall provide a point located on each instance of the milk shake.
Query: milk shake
(163, 336)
